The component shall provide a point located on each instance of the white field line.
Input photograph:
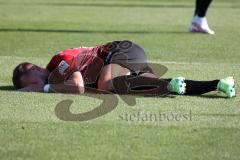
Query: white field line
(150, 61)
(194, 63)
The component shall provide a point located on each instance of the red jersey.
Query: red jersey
(88, 60)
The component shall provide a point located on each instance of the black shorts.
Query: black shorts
(128, 55)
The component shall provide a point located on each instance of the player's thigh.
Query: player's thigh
(108, 73)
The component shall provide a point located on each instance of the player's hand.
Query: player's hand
(32, 88)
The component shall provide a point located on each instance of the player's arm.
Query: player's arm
(74, 84)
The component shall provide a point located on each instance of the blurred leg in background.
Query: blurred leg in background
(199, 22)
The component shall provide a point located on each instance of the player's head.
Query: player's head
(27, 73)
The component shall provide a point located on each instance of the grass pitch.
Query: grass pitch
(33, 30)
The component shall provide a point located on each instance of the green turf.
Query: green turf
(33, 30)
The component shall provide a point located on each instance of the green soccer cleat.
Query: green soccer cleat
(226, 85)
(177, 85)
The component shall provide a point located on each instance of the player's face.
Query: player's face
(35, 75)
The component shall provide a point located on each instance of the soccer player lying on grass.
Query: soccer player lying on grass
(118, 67)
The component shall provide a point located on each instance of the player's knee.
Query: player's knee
(105, 85)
